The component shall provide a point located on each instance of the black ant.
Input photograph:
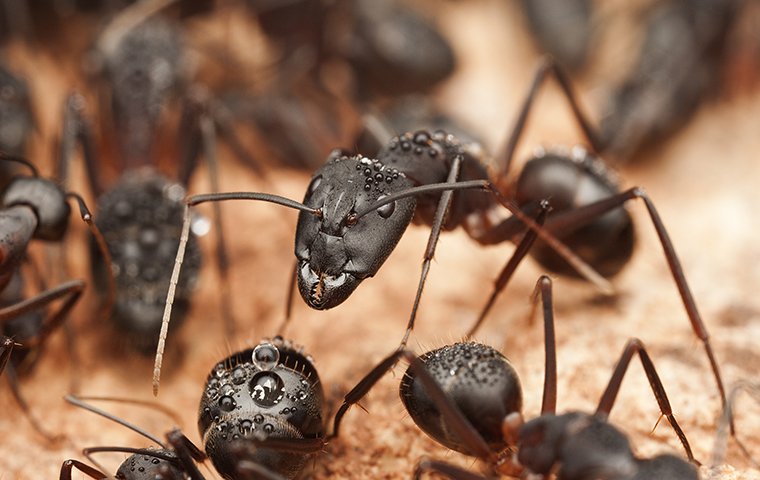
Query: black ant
(355, 210)
(16, 118)
(468, 397)
(140, 216)
(33, 208)
(260, 416)
(174, 460)
(264, 405)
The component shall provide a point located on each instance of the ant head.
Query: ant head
(270, 391)
(145, 465)
(338, 249)
(478, 379)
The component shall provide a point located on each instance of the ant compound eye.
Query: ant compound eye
(265, 356)
(315, 183)
(386, 210)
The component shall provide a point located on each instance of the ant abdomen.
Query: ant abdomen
(141, 219)
(569, 182)
(478, 379)
(271, 391)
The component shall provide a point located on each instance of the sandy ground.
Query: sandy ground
(703, 181)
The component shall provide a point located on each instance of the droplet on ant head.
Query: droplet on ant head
(265, 356)
(315, 182)
(386, 210)
(267, 389)
(227, 403)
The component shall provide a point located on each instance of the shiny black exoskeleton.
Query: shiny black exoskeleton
(468, 397)
(572, 181)
(32, 208)
(579, 446)
(486, 389)
(270, 394)
(171, 460)
(335, 254)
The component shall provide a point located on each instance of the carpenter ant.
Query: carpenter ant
(563, 28)
(33, 208)
(678, 68)
(260, 416)
(467, 396)
(172, 461)
(391, 49)
(263, 405)
(356, 209)
(140, 215)
(16, 118)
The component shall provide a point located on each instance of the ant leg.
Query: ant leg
(10, 373)
(187, 453)
(583, 268)
(91, 472)
(727, 419)
(635, 345)
(253, 471)
(71, 290)
(548, 66)
(185, 234)
(509, 269)
(445, 470)
(581, 216)
(459, 424)
(77, 130)
(199, 128)
(544, 288)
(435, 232)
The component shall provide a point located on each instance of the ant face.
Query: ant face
(271, 391)
(336, 251)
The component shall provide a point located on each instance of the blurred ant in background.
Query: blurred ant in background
(33, 208)
(688, 46)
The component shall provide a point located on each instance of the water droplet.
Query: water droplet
(267, 389)
(268, 428)
(155, 461)
(212, 392)
(302, 395)
(406, 146)
(219, 370)
(238, 375)
(258, 418)
(227, 403)
(246, 426)
(265, 356)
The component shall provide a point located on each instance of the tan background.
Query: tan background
(704, 182)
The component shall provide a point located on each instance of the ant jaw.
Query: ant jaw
(322, 291)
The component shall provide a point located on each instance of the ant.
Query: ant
(140, 215)
(265, 405)
(355, 210)
(468, 397)
(33, 208)
(174, 460)
(260, 416)
(16, 118)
